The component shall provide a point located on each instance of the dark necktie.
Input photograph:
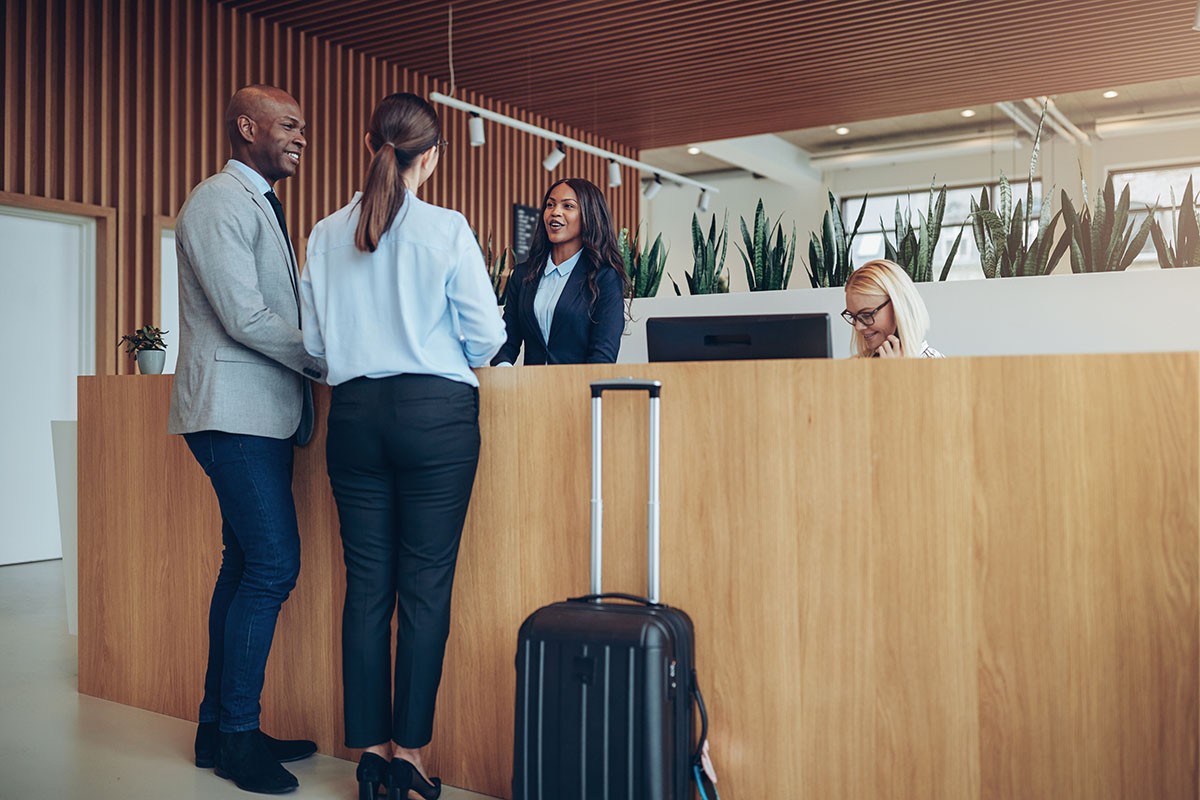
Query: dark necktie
(304, 431)
(277, 207)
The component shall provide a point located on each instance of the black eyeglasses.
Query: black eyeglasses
(442, 144)
(866, 316)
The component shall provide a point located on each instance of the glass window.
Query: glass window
(880, 216)
(1161, 189)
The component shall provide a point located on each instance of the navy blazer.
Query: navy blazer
(580, 333)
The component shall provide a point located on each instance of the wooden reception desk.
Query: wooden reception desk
(969, 578)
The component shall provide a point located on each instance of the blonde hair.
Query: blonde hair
(887, 279)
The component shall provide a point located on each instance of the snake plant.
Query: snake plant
(708, 274)
(643, 264)
(1002, 235)
(1104, 241)
(497, 267)
(914, 247)
(768, 264)
(829, 261)
(1185, 252)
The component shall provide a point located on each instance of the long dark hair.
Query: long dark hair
(402, 127)
(599, 238)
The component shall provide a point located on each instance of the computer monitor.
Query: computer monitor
(738, 337)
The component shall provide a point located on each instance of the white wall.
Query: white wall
(168, 297)
(47, 319)
(1122, 312)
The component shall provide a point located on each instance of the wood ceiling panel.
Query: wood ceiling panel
(661, 74)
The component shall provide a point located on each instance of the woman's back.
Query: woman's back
(420, 303)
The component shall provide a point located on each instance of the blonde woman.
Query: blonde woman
(888, 315)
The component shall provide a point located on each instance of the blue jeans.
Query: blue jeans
(252, 476)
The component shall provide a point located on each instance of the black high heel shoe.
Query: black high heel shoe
(403, 776)
(372, 776)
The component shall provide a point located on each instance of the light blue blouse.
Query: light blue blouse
(550, 289)
(421, 304)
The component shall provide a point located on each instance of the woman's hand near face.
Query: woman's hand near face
(890, 348)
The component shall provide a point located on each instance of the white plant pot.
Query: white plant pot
(150, 362)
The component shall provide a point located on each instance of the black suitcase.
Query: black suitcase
(605, 690)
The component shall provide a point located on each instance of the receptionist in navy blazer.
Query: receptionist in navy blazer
(566, 303)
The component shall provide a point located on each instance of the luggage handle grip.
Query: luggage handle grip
(626, 385)
(596, 598)
(654, 388)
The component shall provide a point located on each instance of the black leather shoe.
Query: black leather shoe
(245, 759)
(284, 750)
(403, 776)
(372, 776)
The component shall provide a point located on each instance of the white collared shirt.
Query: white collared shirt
(251, 173)
(420, 304)
(929, 352)
(550, 289)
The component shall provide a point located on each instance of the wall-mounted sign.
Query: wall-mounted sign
(525, 220)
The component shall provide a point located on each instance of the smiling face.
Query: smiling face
(884, 323)
(562, 218)
(267, 131)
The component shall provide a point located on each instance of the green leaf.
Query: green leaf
(816, 258)
(761, 243)
(1064, 242)
(953, 253)
(791, 258)
(1112, 251)
(1139, 241)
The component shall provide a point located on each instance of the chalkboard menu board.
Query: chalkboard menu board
(525, 220)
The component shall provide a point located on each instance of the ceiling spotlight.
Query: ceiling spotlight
(652, 188)
(841, 131)
(702, 204)
(614, 174)
(693, 151)
(967, 112)
(1110, 94)
(475, 128)
(555, 158)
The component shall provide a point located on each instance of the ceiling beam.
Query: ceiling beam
(767, 155)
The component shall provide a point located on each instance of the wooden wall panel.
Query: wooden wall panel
(119, 104)
(943, 579)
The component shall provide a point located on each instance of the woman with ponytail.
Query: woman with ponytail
(395, 297)
(566, 303)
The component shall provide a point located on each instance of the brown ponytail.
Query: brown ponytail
(402, 127)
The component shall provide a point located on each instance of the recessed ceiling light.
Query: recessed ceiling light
(1110, 94)
(841, 131)
(693, 151)
(967, 112)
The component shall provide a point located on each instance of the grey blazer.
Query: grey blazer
(241, 357)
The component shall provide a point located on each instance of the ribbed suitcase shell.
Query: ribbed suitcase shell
(604, 708)
(604, 689)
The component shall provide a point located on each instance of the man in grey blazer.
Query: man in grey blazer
(241, 398)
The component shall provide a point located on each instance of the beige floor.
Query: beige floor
(56, 744)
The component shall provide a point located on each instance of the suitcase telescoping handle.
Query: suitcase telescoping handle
(654, 389)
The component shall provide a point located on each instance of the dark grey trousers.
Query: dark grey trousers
(401, 454)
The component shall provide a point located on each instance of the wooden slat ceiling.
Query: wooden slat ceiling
(653, 74)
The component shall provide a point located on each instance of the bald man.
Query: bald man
(242, 400)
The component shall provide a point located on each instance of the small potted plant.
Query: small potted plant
(147, 346)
